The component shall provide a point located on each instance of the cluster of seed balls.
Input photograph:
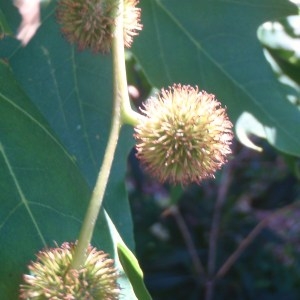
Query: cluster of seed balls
(184, 136)
(89, 24)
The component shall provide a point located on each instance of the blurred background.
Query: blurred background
(243, 225)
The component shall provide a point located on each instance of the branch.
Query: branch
(187, 239)
(120, 92)
(213, 237)
(249, 239)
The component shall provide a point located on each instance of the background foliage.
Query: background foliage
(56, 102)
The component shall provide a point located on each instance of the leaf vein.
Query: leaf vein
(79, 101)
(23, 199)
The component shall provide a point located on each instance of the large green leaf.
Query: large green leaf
(212, 43)
(43, 195)
(73, 90)
(55, 115)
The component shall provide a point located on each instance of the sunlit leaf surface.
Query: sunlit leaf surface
(55, 107)
(213, 44)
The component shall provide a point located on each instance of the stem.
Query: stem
(121, 99)
(128, 115)
(92, 213)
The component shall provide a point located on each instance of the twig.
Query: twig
(251, 236)
(213, 237)
(173, 210)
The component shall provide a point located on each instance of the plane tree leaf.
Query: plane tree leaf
(213, 44)
(43, 194)
(55, 116)
(73, 90)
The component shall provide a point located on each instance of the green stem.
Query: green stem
(120, 96)
(128, 115)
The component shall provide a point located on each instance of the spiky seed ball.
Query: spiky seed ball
(131, 21)
(90, 23)
(184, 136)
(51, 278)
